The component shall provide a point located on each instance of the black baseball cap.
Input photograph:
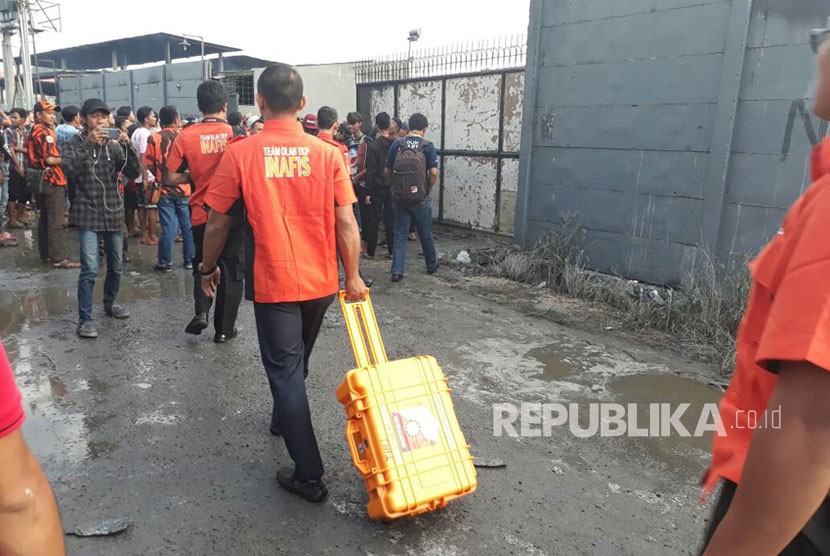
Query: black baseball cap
(93, 105)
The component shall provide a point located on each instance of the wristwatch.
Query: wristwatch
(209, 272)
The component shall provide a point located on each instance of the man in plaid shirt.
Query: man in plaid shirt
(92, 161)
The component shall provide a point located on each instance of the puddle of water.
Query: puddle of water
(54, 430)
(34, 301)
(555, 365)
(686, 454)
(560, 361)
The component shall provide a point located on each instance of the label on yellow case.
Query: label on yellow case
(417, 428)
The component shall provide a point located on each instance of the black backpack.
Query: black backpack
(409, 186)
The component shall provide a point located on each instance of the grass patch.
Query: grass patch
(704, 311)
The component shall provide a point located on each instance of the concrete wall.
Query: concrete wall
(329, 85)
(661, 124)
(475, 122)
(153, 86)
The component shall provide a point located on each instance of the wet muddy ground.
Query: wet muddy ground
(171, 431)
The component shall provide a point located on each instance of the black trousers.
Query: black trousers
(379, 211)
(52, 205)
(229, 292)
(287, 332)
(813, 540)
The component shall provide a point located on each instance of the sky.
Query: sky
(311, 32)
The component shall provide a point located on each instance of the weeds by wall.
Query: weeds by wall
(704, 311)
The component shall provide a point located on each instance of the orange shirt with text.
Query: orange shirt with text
(290, 183)
(199, 148)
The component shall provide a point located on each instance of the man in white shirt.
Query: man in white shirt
(145, 183)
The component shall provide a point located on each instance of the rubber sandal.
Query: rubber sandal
(66, 264)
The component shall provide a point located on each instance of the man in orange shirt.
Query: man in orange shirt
(297, 194)
(776, 479)
(44, 154)
(194, 158)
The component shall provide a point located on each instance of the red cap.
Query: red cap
(310, 121)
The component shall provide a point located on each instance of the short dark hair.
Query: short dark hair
(326, 117)
(168, 115)
(69, 113)
(120, 121)
(235, 118)
(354, 118)
(124, 111)
(22, 112)
(211, 97)
(398, 122)
(383, 121)
(418, 122)
(143, 113)
(281, 87)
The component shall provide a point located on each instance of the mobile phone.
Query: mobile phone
(112, 133)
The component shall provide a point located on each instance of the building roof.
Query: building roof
(145, 49)
(241, 63)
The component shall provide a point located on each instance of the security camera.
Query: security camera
(414, 34)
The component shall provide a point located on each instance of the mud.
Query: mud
(170, 431)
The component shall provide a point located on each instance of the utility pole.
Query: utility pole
(9, 23)
(26, 61)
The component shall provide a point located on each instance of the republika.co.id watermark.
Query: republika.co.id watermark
(652, 420)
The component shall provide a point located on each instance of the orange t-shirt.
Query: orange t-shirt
(787, 319)
(42, 144)
(290, 183)
(199, 148)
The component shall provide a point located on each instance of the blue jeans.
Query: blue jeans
(4, 197)
(421, 216)
(174, 213)
(113, 248)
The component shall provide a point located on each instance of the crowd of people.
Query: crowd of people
(121, 175)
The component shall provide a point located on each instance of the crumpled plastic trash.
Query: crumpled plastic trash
(488, 463)
(464, 257)
(105, 528)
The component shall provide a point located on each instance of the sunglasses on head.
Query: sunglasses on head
(817, 38)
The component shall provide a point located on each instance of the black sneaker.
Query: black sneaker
(116, 311)
(434, 269)
(313, 491)
(397, 277)
(87, 330)
(199, 323)
(163, 268)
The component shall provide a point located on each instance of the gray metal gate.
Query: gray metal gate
(475, 123)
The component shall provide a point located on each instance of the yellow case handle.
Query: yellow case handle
(363, 331)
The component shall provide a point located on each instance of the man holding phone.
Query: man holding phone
(92, 160)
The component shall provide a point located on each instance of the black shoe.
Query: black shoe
(222, 338)
(163, 268)
(116, 311)
(397, 277)
(274, 430)
(368, 282)
(198, 324)
(313, 491)
(434, 269)
(127, 258)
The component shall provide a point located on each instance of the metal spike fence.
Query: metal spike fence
(506, 52)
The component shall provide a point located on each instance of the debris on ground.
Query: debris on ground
(464, 257)
(488, 463)
(105, 528)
